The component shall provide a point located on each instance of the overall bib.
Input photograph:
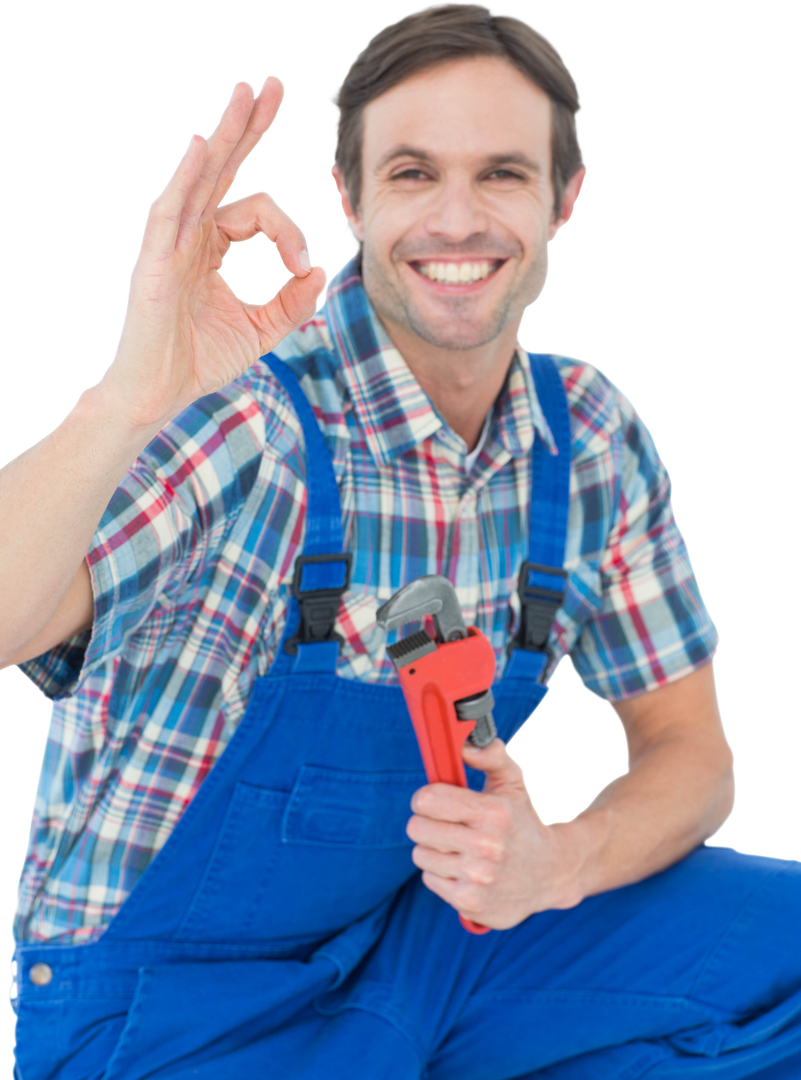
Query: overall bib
(283, 930)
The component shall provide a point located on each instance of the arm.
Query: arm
(185, 335)
(54, 496)
(678, 792)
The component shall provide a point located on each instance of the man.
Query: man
(219, 882)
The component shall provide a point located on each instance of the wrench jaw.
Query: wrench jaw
(431, 595)
(434, 595)
(411, 648)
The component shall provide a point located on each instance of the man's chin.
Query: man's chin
(459, 337)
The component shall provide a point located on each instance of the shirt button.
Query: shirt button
(41, 974)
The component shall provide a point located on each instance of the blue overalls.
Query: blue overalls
(283, 931)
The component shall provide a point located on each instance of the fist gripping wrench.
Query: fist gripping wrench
(446, 680)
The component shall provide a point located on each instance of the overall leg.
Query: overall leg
(693, 972)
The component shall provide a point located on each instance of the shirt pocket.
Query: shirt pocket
(304, 864)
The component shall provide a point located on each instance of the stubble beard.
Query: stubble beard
(455, 331)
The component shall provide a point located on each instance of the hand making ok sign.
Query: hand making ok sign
(185, 333)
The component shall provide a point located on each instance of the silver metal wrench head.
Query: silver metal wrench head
(431, 595)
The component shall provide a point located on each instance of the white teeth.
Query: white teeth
(455, 273)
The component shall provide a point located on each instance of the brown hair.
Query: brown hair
(452, 32)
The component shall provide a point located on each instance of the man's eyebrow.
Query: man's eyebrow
(495, 160)
(515, 159)
(403, 151)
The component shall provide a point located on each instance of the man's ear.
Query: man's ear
(353, 219)
(571, 193)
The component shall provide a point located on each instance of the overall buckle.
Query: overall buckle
(318, 606)
(538, 606)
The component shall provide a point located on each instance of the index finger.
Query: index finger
(446, 802)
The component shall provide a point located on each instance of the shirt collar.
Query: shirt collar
(394, 411)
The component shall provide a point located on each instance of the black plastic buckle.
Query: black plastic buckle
(318, 607)
(538, 606)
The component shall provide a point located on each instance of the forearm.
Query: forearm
(677, 793)
(53, 497)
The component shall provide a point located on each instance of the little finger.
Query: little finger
(164, 219)
(464, 897)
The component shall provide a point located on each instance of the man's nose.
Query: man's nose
(457, 213)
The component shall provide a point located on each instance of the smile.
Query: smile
(456, 273)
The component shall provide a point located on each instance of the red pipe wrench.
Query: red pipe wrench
(446, 680)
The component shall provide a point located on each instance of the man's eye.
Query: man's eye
(413, 174)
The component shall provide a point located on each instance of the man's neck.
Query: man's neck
(463, 384)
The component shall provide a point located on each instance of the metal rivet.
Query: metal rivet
(41, 974)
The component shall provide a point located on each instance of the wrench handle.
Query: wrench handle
(474, 927)
(461, 671)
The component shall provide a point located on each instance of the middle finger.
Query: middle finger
(222, 143)
(442, 836)
(265, 107)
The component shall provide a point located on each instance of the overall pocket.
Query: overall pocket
(308, 862)
(210, 1019)
(66, 1038)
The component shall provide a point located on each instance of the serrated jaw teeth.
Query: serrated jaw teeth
(451, 273)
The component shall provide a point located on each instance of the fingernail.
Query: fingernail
(305, 261)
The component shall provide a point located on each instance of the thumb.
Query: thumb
(502, 772)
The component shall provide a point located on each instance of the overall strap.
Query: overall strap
(322, 572)
(542, 580)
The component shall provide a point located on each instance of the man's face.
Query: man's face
(457, 205)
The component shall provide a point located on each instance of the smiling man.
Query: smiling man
(454, 218)
(224, 878)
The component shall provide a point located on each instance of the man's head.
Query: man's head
(457, 157)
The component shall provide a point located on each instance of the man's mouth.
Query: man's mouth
(464, 272)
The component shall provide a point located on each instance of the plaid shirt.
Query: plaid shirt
(192, 565)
